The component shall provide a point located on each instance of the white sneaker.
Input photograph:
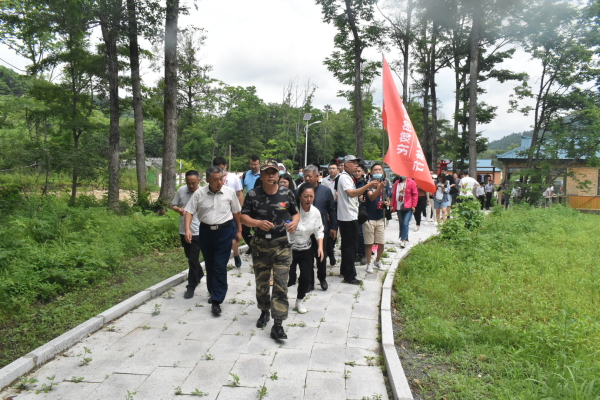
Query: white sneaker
(369, 268)
(430, 220)
(402, 244)
(417, 228)
(378, 265)
(300, 307)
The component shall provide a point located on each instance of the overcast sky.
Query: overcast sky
(267, 43)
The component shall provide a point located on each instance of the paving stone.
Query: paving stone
(253, 369)
(338, 314)
(327, 357)
(325, 385)
(134, 340)
(228, 346)
(366, 311)
(162, 383)
(237, 393)
(209, 377)
(359, 356)
(291, 365)
(298, 338)
(331, 333)
(210, 329)
(312, 318)
(365, 382)
(258, 341)
(62, 391)
(116, 386)
(362, 328)
(368, 344)
(284, 389)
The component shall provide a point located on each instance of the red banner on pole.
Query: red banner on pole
(405, 155)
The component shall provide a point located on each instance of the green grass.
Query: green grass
(508, 311)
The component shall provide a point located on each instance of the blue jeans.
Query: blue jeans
(404, 218)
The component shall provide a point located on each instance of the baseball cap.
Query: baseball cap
(269, 163)
(350, 157)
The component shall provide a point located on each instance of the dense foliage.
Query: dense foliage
(48, 248)
(509, 310)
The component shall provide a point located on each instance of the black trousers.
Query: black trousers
(247, 235)
(192, 253)
(216, 248)
(349, 233)
(321, 265)
(305, 260)
(482, 201)
(488, 200)
(360, 243)
(420, 209)
(329, 246)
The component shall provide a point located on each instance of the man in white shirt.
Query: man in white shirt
(217, 208)
(347, 214)
(235, 183)
(489, 193)
(192, 249)
(468, 185)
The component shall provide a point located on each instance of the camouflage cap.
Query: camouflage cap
(269, 163)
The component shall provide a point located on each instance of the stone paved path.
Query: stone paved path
(332, 351)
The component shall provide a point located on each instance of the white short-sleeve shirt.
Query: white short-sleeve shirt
(347, 209)
(466, 186)
(233, 182)
(181, 199)
(214, 208)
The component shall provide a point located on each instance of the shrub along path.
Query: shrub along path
(173, 348)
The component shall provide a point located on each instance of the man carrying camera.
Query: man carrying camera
(373, 229)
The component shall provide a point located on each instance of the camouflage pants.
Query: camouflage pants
(276, 255)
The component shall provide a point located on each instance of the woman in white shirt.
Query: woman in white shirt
(303, 254)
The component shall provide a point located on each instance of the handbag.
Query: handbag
(388, 213)
(363, 215)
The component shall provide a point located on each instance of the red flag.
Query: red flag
(405, 155)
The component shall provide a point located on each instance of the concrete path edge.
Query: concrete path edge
(46, 352)
(396, 376)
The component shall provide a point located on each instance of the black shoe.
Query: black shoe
(209, 299)
(352, 281)
(332, 261)
(277, 332)
(216, 309)
(324, 284)
(264, 318)
(188, 294)
(249, 252)
(238, 261)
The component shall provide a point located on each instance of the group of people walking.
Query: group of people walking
(295, 225)
(292, 225)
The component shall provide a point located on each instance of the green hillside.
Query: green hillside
(508, 142)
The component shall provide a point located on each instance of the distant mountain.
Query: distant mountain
(508, 142)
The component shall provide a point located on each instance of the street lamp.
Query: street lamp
(306, 137)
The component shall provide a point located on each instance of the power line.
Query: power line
(7, 63)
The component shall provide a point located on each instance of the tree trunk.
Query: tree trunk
(473, 74)
(109, 34)
(75, 176)
(406, 51)
(358, 120)
(167, 190)
(434, 155)
(138, 115)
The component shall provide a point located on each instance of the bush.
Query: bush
(48, 248)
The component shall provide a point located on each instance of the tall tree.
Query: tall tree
(358, 30)
(167, 190)
(136, 91)
(110, 13)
